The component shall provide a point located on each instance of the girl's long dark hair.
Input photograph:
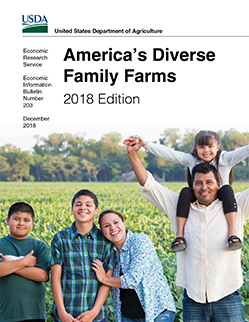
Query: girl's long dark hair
(206, 138)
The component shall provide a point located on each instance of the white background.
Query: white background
(206, 95)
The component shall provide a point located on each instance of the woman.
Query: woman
(139, 289)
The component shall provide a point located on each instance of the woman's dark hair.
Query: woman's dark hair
(110, 211)
(207, 138)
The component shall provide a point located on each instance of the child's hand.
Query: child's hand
(135, 140)
(3, 258)
(98, 268)
(30, 260)
(67, 318)
(87, 316)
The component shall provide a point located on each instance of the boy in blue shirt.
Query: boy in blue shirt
(77, 292)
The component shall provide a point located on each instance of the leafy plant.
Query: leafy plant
(52, 205)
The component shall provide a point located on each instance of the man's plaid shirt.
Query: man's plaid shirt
(75, 253)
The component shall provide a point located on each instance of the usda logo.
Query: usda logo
(34, 23)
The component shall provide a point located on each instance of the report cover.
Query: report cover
(78, 77)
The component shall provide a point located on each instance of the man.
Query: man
(209, 274)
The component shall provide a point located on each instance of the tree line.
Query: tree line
(67, 157)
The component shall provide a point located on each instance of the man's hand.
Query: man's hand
(135, 140)
(98, 268)
(136, 163)
(134, 143)
(87, 316)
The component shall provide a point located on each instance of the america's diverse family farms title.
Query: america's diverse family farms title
(111, 77)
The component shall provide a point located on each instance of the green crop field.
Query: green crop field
(52, 203)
